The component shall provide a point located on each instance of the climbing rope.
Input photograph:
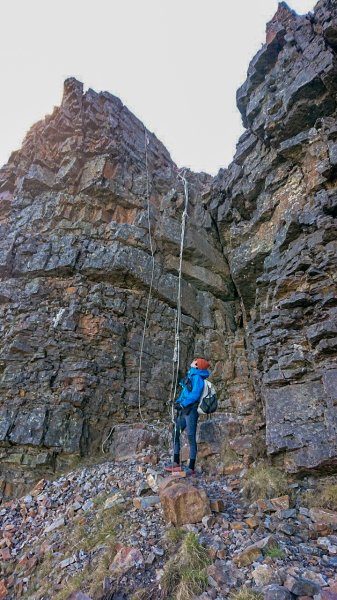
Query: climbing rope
(107, 438)
(146, 142)
(176, 352)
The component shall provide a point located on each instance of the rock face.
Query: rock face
(75, 267)
(258, 271)
(276, 209)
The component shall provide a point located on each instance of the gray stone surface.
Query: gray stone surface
(75, 272)
(259, 268)
(276, 212)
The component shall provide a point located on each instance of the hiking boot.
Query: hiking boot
(190, 472)
(171, 468)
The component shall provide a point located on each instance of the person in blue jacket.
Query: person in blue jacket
(187, 412)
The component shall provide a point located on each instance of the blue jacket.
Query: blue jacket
(197, 377)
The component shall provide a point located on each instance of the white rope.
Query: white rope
(176, 352)
(107, 438)
(146, 141)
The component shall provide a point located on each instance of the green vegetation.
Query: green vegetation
(265, 482)
(245, 593)
(185, 575)
(276, 552)
(175, 535)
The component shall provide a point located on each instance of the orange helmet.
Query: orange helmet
(200, 363)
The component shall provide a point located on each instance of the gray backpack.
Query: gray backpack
(208, 402)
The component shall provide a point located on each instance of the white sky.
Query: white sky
(175, 63)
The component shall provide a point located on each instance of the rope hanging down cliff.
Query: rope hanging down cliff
(176, 353)
(177, 327)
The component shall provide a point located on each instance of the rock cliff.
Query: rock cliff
(76, 267)
(276, 209)
(259, 268)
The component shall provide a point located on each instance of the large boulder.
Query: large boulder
(183, 503)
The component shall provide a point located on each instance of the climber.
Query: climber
(186, 406)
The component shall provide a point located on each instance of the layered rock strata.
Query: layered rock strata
(258, 275)
(75, 266)
(276, 209)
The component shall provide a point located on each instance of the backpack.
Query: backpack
(208, 402)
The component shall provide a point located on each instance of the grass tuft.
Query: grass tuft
(185, 574)
(174, 535)
(326, 497)
(96, 535)
(276, 552)
(142, 594)
(245, 593)
(265, 482)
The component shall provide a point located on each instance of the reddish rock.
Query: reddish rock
(280, 503)
(125, 559)
(184, 503)
(246, 557)
(233, 469)
(3, 589)
(323, 516)
(150, 459)
(5, 554)
(237, 525)
(39, 486)
(217, 505)
(254, 551)
(252, 522)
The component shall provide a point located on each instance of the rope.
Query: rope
(176, 352)
(146, 141)
(107, 438)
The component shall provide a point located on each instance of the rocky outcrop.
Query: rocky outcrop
(75, 267)
(276, 208)
(258, 271)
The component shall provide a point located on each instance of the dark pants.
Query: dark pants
(188, 422)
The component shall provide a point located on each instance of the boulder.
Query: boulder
(325, 516)
(301, 586)
(126, 558)
(129, 440)
(254, 551)
(276, 592)
(184, 503)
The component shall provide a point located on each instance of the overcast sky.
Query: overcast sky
(175, 63)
